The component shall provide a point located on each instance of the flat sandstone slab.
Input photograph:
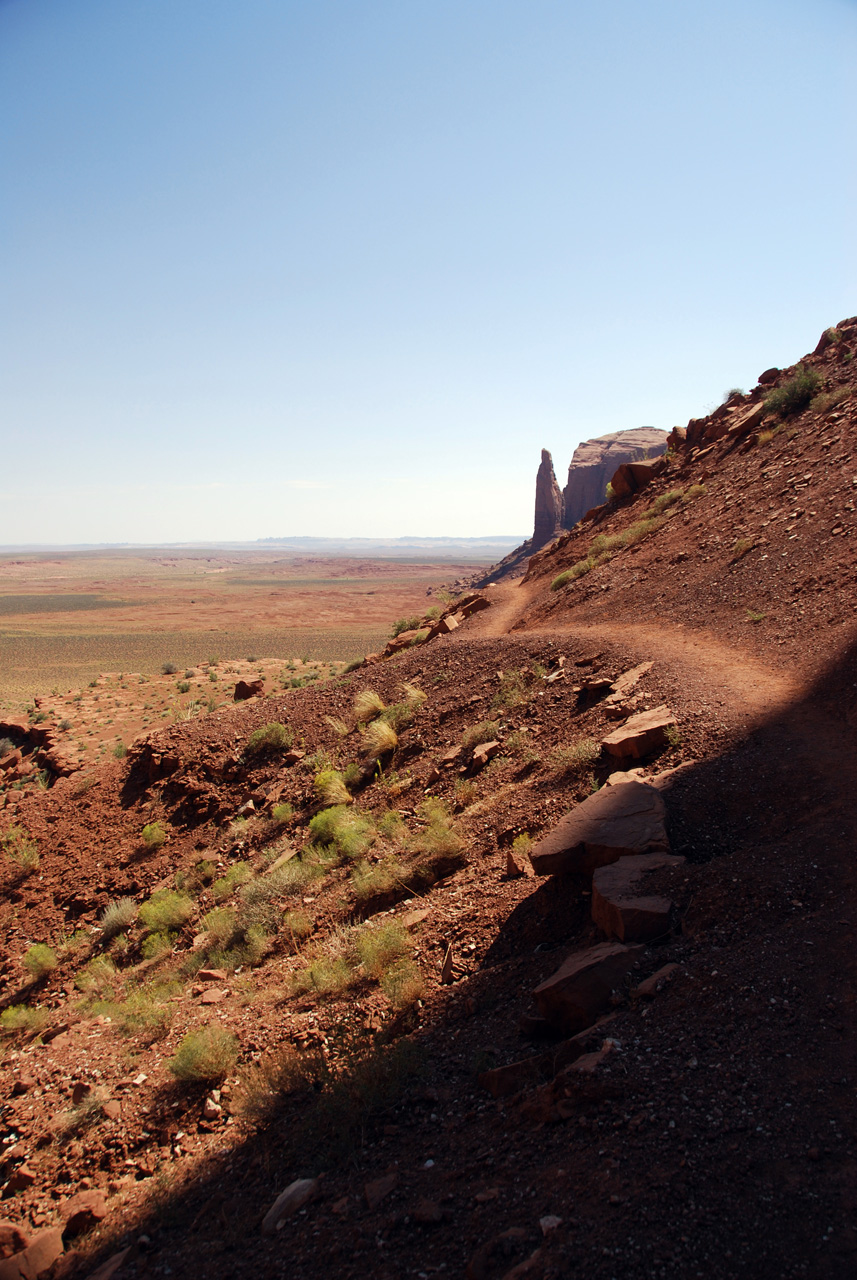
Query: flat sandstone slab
(619, 906)
(572, 998)
(614, 823)
(643, 733)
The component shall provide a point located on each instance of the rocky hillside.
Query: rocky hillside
(525, 949)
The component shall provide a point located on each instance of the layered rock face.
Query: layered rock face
(595, 461)
(549, 508)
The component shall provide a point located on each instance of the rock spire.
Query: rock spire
(549, 507)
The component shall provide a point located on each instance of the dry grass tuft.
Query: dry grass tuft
(368, 705)
(205, 1056)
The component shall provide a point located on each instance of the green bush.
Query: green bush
(403, 984)
(327, 976)
(205, 1056)
(239, 873)
(379, 946)
(269, 739)
(795, 394)
(405, 624)
(168, 668)
(20, 1018)
(157, 945)
(154, 835)
(282, 812)
(166, 910)
(350, 834)
(330, 787)
(221, 925)
(39, 961)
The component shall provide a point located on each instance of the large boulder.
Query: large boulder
(643, 733)
(245, 689)
(614, 823)
(572, 998)
(619, 906)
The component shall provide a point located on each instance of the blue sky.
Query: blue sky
(345, 267)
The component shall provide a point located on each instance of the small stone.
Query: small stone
(22, 1084)
(83, 1211)
(212, 1110)
(648, 989)
(212, 975)
(111, 1109)
(549, 1223)
(22, 1178)
(295, 1196)
(641, 734)
(427, 1212)
(80, 1091)
(379, 1189)
(12, 1238)
(213, 996)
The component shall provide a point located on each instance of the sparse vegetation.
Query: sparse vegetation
(753, 615)
(239, 873)
(795, 394)
(379, 946)
(21, 849)
(329, 786)
(368, 705)
(154, 835)
(166, 910)
(168, 668)
(485, 731)
(379, 738)
(741, 548)
(117, 917)
(405, 624)
(205, 1056)
(575, 758)
(403, 984)
(829, 399)
(21, 1019)
(269, 739)
(39, 961)
(282, 812)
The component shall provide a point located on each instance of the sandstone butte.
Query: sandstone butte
(280, 1034)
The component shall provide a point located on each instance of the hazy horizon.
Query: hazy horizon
(349, 268)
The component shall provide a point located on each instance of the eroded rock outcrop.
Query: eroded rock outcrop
(595, 461)
(549, 508)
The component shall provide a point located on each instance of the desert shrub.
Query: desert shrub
(269, 739)
(371, 879)
(432, 614)
(158, 944)
(485, 731)
(239, 873)
(518, 743)
(21, 1019)
(390, 825)
(39, 961)
(368, 705)
(829, 399)
(120, 751)
(205, 1055)
(753, 615)
(522, 844)
(327, 975)
(695, 491)
(379, 737)
(297, 925)
(166, 910)
(339, 726)
(575, 758)
(282, 812)
(154, 835)
(168, 668)
(144, 1014)
(221, 925)
(465, 792)
(352, 773)
(741, 548)
(641, 530)
(405, 624)
(97, 976)
(117, 917)
(398, 715)
(664, 501)
(183, 686)
(436, 838)
(795, 394)
(352, 666)
(766, 436)
(403, 984)
(21, 849)
(350, 834)
(265, 1083)
(379, 946)
(330, 787)
(297, 873)
(7, 745)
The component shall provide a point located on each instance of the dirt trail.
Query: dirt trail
(755, 691)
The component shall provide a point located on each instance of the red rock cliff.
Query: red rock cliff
(594, 462)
